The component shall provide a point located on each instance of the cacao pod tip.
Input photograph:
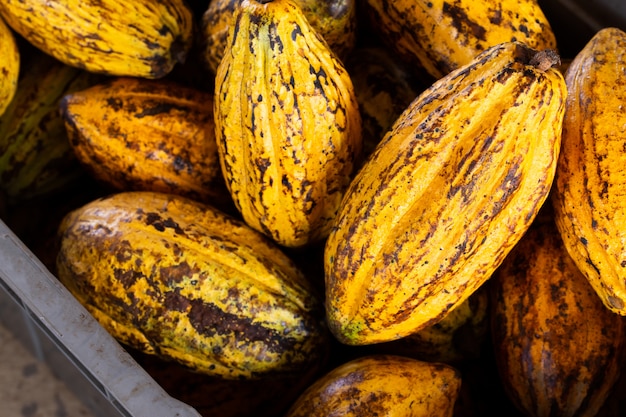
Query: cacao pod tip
(546, 59)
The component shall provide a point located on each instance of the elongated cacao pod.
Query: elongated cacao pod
(559, 350)
(382, 385)
(146, 135)
(9, 65)
(36, 158)
(287, 123)
(589, 206)
(139, 38)
(442, 36)
(334, 20)
(445, 196)
(175, 278)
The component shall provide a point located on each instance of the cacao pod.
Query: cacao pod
(172, 277)
(381, 385)
(146, 135)
(287, 123)
(588, 199)
(559, 350)
(442, 36)
(140, 38)
(445, 196)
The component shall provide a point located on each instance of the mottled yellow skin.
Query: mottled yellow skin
(590, 191)
(137, 38)
(287, 123)
(9, 66)
(149, 135)
(382, 385)
(558, 349)
(35, 155)
(179, 279)
(443, 35)
(444, 197)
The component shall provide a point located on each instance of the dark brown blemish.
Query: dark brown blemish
(176, 273)
(462, 22)
(160, 224)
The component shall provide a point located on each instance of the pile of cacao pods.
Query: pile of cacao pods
(323, 208)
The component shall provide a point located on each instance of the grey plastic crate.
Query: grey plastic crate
(47, 319)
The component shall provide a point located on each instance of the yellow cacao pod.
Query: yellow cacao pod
(175, 278)
(444, 197)
(287, 123)
(382, 385)
(334, 20)
(442, 36)
(146, 135)
(559, 350)
(139, 38)
(588, 200)
(9, 66)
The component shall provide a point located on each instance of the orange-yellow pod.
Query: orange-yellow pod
(179, 279)
(288, 127)
(590, 184)
(445, 196)
(151, 135)
(558, 350)
(382, 385)
(442, 36)
(139, 39)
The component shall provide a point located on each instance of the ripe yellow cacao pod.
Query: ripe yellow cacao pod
(287, 123)
(444, 197)
(9, 66)
(172, 277)
(559, 350)
(382, 385)
(36, 158)
(442, 36)
(139, 38)
(333, 20)
(588, 200)
(152, 135)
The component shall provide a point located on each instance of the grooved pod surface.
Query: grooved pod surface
(443, 35)
(287, 123)
(175, 278)
(559, 350)
(590, 191)
(138, 38)
(151, 135)
(444, 197)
